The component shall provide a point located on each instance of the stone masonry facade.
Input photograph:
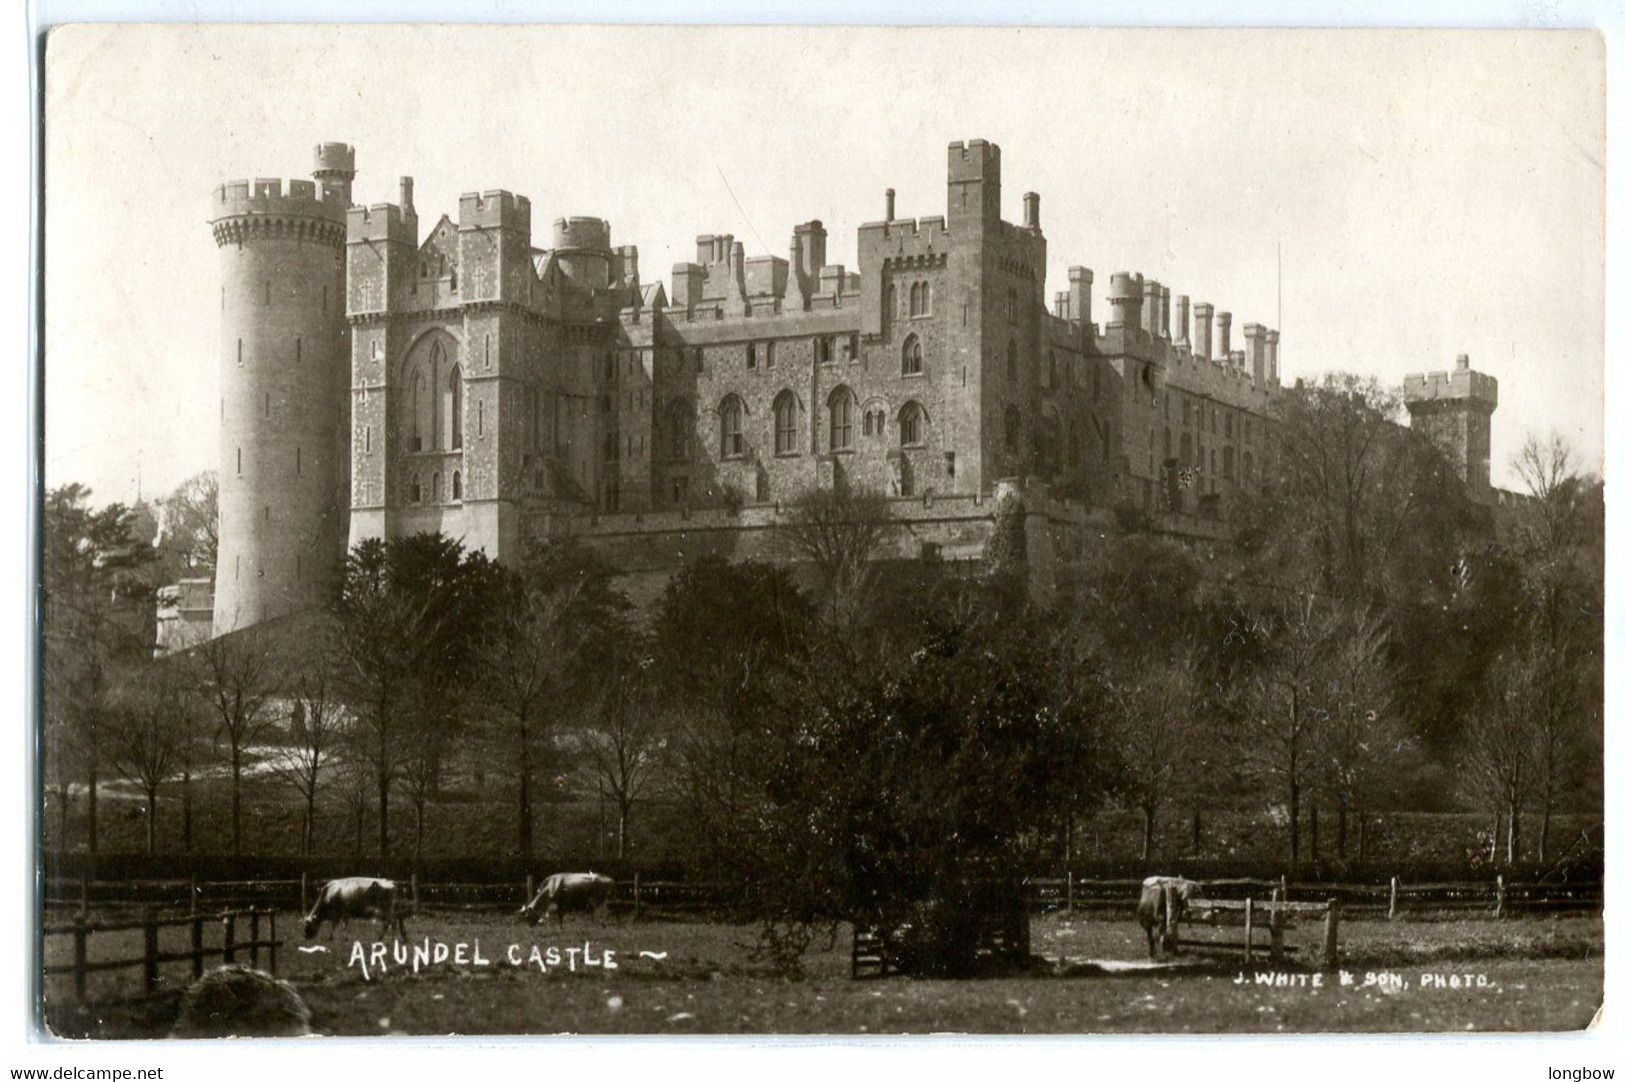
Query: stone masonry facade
(378, 381)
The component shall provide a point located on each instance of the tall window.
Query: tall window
(750, 356)
(784, 424)
(456, 484)
(1012, 429)
(913, 356)
(417, 489)
(919, 299)
(840, 419)
(911, 420)
(678, 419)
(1229, 463)
(770, 354)
(454, 397)
(825, 348)
(434, 488)
(733, 431)
(1012, 362)
(925, 298)
(420, 397)
(1010, 304)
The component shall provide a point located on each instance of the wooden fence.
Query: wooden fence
(1394, 899)
(152, 957)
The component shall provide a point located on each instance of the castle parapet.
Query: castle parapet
(1459, 385)
(383, 222)
(275, 207)
(495, 209)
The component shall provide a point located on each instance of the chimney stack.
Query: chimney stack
(1151, 314)
(1184, 320)
(1253, 333)
(1272, 344)
(1165, 310)
(1224, 337)
(891, 204)
(1029, 203)
(406, 193)
(1081, 282)
(1461, 362)
(1203, 346)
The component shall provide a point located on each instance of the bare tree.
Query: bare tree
(624, 739)
(1154, 727)
(315, 730)
(1360, 739)
(1499, 748)
(238, 677)
(189, 527)
(150, 726)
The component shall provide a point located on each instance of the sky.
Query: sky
(1423, 193)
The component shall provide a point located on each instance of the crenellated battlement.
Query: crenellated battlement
(1460, 385)
(495, 209)
(275, 196)
(383, 222)
(906, 238)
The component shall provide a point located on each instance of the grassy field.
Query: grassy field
(1526, 974)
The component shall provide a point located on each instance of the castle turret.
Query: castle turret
(1452, 409)
(284, 363)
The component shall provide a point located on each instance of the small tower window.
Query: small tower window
(366, 439)
(417, 489)
(239, 462)
(298, 460)
(298, 350)
(239, 353)
(268, 291)
(770, 355)
(911, 419)
(479, 420)
(750, 357)
(267, 403)
(456, 484)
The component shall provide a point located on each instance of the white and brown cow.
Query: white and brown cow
(567, 892)
(357, 897)
(1158, 895)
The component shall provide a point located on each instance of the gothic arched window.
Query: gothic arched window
(840, 419)
(911, 422)
(454, 403)
(784, 424)
(913, 356)
(733, 430)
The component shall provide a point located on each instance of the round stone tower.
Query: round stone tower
(284, 367)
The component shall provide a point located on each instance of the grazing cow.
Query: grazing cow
(1157, 894)
(569, 892)
(358, 897)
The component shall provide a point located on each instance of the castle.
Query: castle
(378, 382)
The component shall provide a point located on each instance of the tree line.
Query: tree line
(851, 738)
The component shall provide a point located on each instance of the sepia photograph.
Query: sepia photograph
(818, 530)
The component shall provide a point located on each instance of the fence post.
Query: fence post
(1329, 948)
(84, 894)
(414, 895)
(1393, 896)
(197, 946)
(1277, 926)
(1500, 896)
(1170, 929)
(149, 958)
(637, 896)
(273, 942)
(530, 889)
(253, 937)
(191, 896)
(79, 959)
(228, 943)
(1069, 892)
(1247, 941)
(1283, 886)
(304, 892)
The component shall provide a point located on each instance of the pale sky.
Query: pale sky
(1432, 192)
